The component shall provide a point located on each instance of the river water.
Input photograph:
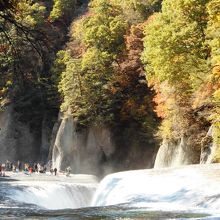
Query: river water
(189, 192)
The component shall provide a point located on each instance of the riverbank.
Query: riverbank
(60, 177)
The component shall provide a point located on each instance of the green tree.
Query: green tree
(70, 84)
(213, 34)
(19, 41)
(137, 11)
(176, 57)
(213, 30)
(213, 40)
(90, 72)
(62, 7)
(174, 43)
(105, 29)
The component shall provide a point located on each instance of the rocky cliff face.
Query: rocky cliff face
(172, 154)
(83, 150)
(209, 148)
(21, 141)
(98, 150)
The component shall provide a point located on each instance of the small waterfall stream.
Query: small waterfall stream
(174, 154)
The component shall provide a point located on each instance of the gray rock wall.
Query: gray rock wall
(16, 140)
(7, 140)
(94, 150)
(208, 150)
(19, 141)
(82, 150)
(173, 154)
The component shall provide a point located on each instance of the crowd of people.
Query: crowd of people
(27, 168)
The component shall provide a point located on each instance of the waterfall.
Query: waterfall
(54, 196)
(64, 138)
(83, 150)
(47, 194)
(187, 188)
(209, 148)
(192, 189)
(174, 154)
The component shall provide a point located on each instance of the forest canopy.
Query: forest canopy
(131, 61)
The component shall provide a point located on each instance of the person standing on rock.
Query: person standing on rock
(3, 169)
(55, 171)
(19, 165)
(68, 171)
(7, 165)
(38, 167)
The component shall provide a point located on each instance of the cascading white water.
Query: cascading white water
(193, 188)
(69, 194)
(54, 195)
(174, 154)
(190, 188)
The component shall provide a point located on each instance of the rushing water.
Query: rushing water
(190, 192)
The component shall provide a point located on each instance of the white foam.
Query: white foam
(184, 189)
(53, 195)
(190, 188)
